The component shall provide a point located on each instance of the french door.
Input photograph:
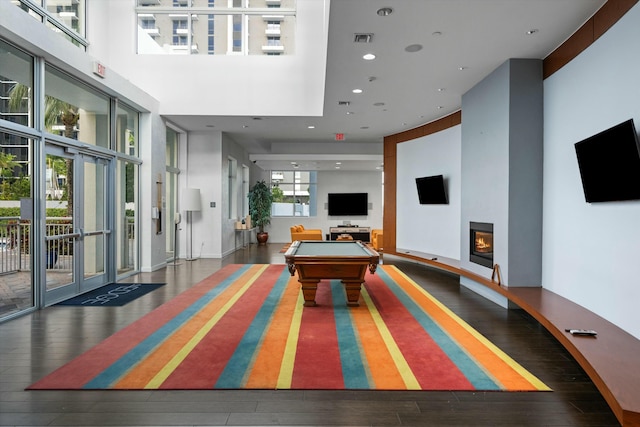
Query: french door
(77, 237)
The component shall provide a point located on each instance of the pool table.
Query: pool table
(315, 260)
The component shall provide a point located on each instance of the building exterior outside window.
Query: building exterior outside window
(294, 193)
(208, 27)
(64, 17)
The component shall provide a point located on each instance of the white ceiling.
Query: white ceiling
(462, 41)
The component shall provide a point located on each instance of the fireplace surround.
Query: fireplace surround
(481, 243)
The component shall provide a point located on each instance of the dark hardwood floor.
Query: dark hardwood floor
(34, 345)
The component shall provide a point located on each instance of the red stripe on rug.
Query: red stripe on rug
(431, 366)
(202, 367)
(98, 358)
(317, 362)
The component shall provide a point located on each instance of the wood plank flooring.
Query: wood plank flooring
(34, 345)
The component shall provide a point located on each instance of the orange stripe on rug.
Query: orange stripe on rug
(501, 367)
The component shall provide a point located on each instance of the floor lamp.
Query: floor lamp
(191, 203)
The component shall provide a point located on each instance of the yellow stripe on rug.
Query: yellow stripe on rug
(288, 361)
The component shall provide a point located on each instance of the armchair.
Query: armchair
(376, 239)
(298, 232)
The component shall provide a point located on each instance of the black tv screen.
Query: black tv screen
(342, 204)
(431, 190)
(609, 164)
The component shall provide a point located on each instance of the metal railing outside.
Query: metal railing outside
(15, 235)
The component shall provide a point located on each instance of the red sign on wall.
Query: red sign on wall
(339, 136)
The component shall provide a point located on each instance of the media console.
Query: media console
(358, 233)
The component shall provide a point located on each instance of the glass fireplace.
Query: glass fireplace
(481, 243)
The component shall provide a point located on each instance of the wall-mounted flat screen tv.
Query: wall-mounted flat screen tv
(609, 164)
(432, 190)
(347, 204)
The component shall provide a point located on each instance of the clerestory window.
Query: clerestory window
(236, 27)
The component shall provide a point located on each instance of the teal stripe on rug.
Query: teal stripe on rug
(354, 371)
(119, 368)
(238, 367)
(467, 365)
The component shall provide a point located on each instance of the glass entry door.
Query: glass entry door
(76, 231)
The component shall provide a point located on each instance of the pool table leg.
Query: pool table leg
(352, 289)
(309, 292)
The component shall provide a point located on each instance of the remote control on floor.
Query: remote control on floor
(589, 332)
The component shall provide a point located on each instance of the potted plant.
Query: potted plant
(260, 201)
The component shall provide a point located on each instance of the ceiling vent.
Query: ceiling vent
(362, 37)
(343, 103)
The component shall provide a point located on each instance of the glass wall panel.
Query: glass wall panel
(126, 130)
(127, 235)
(239, 29)
(64, 17)
(16, 85)
(171, 191)
(232, 190)
(294, 193)
(74, 110)
(16, 281)
(71, 13)
(25, 7)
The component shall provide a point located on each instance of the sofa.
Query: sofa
(376, 239)
(298, 232)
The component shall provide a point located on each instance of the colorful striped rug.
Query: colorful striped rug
(245, 327)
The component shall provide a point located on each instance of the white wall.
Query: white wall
(221, 84)
(203, 170)
(590, 251)
(432, 229)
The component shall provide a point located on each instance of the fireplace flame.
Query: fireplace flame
(481, 245)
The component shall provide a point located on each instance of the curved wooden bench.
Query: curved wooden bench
(612, 359)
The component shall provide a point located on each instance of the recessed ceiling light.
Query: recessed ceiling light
(413, 48)
(368, 56)
(311, 127)
(245, 126)
(436, 33)
(384, 11)
(532, 31)
(441, 89)
(440, 107)
(338, 163)
(337, 167)
(294, 163)
(357, 91)
(462, 68)
(349, 112)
